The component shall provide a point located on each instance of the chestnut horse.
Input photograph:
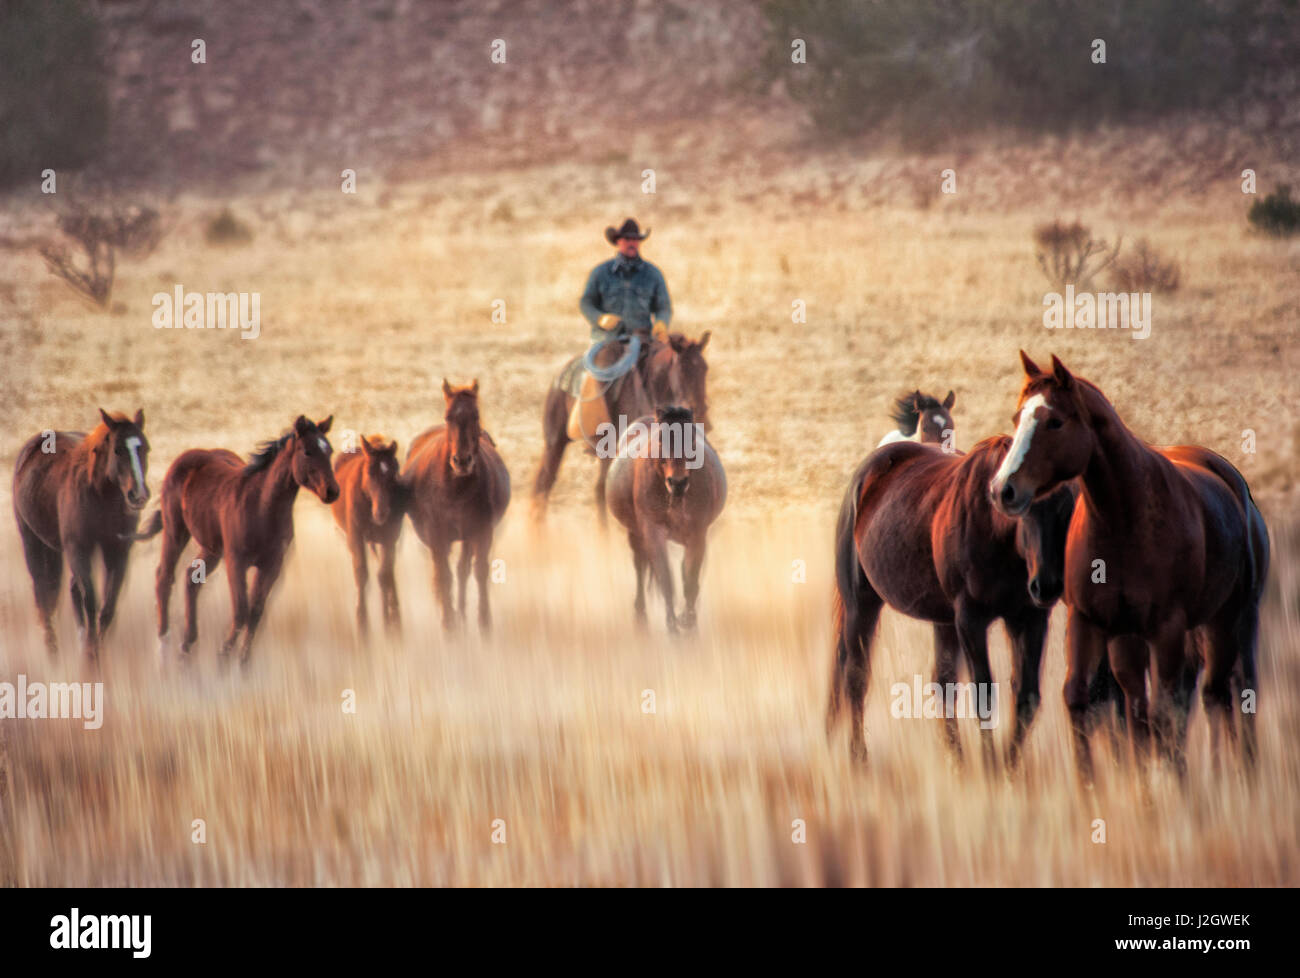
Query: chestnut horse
(242, 512)
(1165, 541)
(667, 484)
(74, 494)
(667, 373)
(370, 509)
(458, 489)
(918, 532)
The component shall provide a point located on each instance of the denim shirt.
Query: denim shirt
(632, 290)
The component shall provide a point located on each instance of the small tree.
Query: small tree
(1068, 254)
(99, 234)
(1145, 270)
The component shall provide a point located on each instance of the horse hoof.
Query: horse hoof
(687, 620)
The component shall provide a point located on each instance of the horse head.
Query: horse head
(671, 442)
(676, 373)
(120, 456)
(311, 458)
(463, 426)
(379, 476)
(1053, 442)
(916, 411)
(1040, 539)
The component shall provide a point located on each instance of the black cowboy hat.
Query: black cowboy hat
(629, 229)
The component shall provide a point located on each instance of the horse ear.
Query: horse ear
(139, 418)
(366, 447)
(446, 389)
(704, 339)
(324, 426)
(473, 388)
(1031, 369)
(108, 421)
(1063, 376)
(301, 424)
(950, 400)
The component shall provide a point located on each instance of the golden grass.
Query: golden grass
(366, 305)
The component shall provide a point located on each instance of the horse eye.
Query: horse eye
(1054, 423)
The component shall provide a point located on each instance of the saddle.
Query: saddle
(592, 397)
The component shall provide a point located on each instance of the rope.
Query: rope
(615, 370)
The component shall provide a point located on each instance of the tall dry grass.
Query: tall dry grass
(366, 308)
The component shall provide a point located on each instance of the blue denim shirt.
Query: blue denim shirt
(634, 290)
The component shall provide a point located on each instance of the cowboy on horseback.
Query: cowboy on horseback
(626, 301)
(626, 295)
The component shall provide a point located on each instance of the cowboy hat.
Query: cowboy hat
(629, 229)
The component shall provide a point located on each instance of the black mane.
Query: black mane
(266, 452)
(909, 407)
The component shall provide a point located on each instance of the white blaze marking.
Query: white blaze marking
(1024, 435)
(324, 445)
(133, 446)
(938, 419)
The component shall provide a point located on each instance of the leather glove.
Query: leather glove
(610, 323)
(660, 331)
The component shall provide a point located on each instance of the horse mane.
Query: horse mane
(675, 415)
(908, 408)
(95, 459)
(266, 453)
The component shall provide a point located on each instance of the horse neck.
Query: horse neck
(93, 465)
(275, 486)
(1118, 466)
(659, 362)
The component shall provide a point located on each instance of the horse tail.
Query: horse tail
(850, 584)
(151, 529)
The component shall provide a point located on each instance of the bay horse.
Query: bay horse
(242, 512)
(671, 373)
(917, 531)
(458, 490)
(921, 417)
(75, 494)
(1164, 542)
(370, 508)
(659, 495)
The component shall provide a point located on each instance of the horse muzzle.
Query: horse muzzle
(1008, 501)
(677, 487)
(137, 499)
(1045, 591)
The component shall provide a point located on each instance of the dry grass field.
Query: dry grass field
(368, 302)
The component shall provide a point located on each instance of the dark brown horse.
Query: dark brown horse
(1164, 541)
(672, 373)
(667, 484)
(242, 512)
(458, 489)
(74, 494)
(370, 509)
(918, 532)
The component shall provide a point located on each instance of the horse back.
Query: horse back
(39, 480)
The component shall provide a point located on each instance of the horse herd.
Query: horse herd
(1160, 555)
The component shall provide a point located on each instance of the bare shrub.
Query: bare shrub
(1068, 254)
(227, 229)
(99, 234)
(1146, 270)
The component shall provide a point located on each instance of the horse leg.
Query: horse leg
(605, 463)
(482, 565)
(360, 574)
(175, 536)
(1028, 635)
(555, 420)
(656, 541)
(1129, 658)
(45, 564)
(388, 587)
(641, 563)
(205, 564)
(972, 631)
(462, 578)
(263, 579)
(1174, 702)
(115, 558)
(947, 647)
(692, 564)
(441, 552)
(1216, 693)
(851, 668)
(1084, 646)
(83, 597)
